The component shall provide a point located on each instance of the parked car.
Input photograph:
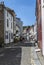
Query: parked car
(22, 38)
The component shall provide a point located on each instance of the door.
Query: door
(9, 38)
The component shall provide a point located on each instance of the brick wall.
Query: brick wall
(39, 36)
(38, 17)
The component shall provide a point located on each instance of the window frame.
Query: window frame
(7, 23)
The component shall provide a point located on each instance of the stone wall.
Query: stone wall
(1, 24)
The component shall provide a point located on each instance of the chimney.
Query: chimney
(2, 2)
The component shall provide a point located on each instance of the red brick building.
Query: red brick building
(40, 23)
(39, 26)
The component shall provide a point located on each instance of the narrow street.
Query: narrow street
(19, 54)
(21, 32)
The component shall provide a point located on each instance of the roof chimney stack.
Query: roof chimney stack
(2, 2)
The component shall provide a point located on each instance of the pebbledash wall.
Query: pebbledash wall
(40, 23)
(6, 24)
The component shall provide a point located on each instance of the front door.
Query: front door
(9, 37)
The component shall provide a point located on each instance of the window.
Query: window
(11, 17)
(7, 14)
(11, 25)
(6, 35)
(11, 35)
(7, 23)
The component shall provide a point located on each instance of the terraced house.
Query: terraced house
(19, 27)
(6, 24)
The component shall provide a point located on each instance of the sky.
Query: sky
(24, 9)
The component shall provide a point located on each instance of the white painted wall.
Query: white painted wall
(42, 18)
(35, 31)
(9, 29)
(31, 31)
(14, 27)
(19, 23)
(17, 28)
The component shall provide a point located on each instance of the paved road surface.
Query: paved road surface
(26, 56)
(13, 56)
(10, 56)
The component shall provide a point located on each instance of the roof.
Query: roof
(8, 9)
(18, 18)
(27, 27)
